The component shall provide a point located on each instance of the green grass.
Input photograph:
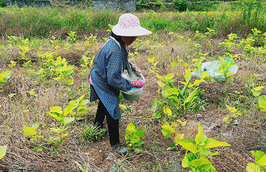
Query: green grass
(41, 22)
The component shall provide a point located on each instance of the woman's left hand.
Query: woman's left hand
(136, 69)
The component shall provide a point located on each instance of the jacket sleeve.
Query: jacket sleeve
(114, 69)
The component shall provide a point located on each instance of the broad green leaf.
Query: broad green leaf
(187, 159)
(73, 102)
(173, 91)
(167, 130)
(187, 74)
(164, 94)
(29, 131)
(80, 98)
(262, 161)
(173, 64)
(131, 128)
(35, 125)
(258, 155)
(82, 111)
(3, 151)
(55, 116)
(160, 77)
(252, 167)
(258, 88)
(169, 76)
(184, 64)
(69, 108)
(188, 144)
(67, 120)
(134, 139)
(172, 103)
(141, 132)
(203, 152)
(160, 83)
(212, 143)
(84, 102)
(202, 164)
(262, 103)
(191, 96)
(56, 109)
(200, 137)
(58, 130)
(178, 137)
(167, 111)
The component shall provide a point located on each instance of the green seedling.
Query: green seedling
(132, 137)
(72, 37)
(4, 76)
(169, 128)
(31, 131)
(256, 91)
(233, 112)
(196, 159)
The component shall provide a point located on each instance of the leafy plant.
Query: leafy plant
(169, 128)
(66, 115)
(176, 101)
(233, 113)
(132, 137)
(4, 76)
(256, 91)
(196, 159)
(59, 68)
(72, 37)
(260, 165)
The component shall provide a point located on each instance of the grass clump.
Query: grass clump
(93, 133)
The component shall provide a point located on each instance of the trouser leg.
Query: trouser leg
(113, 127)
(100, 115)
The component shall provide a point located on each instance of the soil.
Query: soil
(243, 134)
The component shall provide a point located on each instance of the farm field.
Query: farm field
(45, 113)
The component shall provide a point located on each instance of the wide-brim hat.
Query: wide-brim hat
(129, 25)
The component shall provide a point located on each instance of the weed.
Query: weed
(92, 133)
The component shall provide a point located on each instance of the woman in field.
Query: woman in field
(105, 77)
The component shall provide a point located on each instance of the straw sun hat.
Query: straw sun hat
(129, 25)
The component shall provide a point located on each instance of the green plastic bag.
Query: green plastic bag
(218, 69)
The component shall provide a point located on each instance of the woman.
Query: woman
(105, 77)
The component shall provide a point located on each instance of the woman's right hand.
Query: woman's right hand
(137, 84)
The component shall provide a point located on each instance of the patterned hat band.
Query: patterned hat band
(129, 25)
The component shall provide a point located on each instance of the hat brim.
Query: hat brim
(136, 31)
